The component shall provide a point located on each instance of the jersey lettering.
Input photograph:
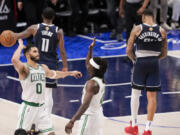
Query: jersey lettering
(37, 77)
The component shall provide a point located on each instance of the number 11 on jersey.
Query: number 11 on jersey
(45, 45)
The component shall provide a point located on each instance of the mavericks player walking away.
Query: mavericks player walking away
(33, 79)
(151, 46)
(91, 111)
(47, 36)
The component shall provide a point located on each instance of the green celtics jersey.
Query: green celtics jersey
(97, 100)
(34, 85)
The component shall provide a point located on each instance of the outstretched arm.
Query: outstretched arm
(89, 56)
(62, 49)
(31, 30)
(91, 89)
(60, 74)
(18, 65)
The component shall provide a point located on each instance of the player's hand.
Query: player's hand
(64, 69)
(76, 74)
(20, 5)
(54, 2)
(68, 127)
(21, 45)
(140, 11)
(121, 13)
(93, 43)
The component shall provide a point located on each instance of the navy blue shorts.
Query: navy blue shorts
(51, 83)
(145, 74)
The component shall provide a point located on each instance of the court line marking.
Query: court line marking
(107, 101)
(77, 100)
(127, 96)
(77, 59)
(74, 101)
(174, 92)
(110, 118)
(113, 56)
(69, 85)
(3, 65)
(107, 85)
(97, 40)
(159, 126)
(17, 104)
(130, 96)
(12, 78)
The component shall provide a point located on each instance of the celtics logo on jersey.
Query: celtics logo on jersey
(37, 77)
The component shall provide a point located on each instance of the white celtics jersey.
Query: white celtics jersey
(97, 100)
(34, 85)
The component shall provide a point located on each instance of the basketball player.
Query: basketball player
(90, 111)
(33, 78)
(151, 46)
(47, 37)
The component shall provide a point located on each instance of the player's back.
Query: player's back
(96, 101)
(149, 41)
(46, 40)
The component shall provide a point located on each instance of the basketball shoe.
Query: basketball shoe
(149, 132)
(132, 130)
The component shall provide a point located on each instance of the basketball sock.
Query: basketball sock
(148, 125)
(48, 100)
(135, 105)
(134, 122)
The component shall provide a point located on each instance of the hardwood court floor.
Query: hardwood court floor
(164, 124)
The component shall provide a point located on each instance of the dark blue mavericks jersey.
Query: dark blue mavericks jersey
(145, 73)
(46, 40)
(149, 41)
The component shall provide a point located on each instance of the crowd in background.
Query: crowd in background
(89, 16)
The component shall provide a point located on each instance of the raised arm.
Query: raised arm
(18, 65)
(164, 49)
(62, 49)
(31, 30)
(89, 56)
(60, 74)
(129, 50)
(91, 89)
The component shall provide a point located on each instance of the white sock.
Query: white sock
(134, 122)
(135, 105)
(48, 100)
(148, 125)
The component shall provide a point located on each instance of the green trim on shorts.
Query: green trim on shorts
(33, 104)
(22, 116)
(47, 130)
(84, 124)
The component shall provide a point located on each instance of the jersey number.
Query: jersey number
(38, 88)
(45, 45)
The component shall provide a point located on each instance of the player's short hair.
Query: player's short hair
(28, 47)
(148, 12)
(103, 67)
(48, 13)
(20, 132)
